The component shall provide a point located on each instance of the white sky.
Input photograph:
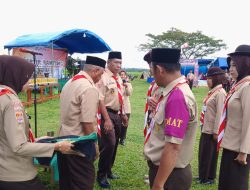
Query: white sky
(123, 24)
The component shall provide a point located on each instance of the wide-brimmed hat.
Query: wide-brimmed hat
(241, 50)
(212, 71)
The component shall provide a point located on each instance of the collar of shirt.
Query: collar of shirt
(239, 86)
(4, 86)
(87, 76)
(171, 85)
(109, 73)
(215, 88)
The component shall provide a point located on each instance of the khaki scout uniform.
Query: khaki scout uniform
(109, 141)
(236, 139)
(126, 93)
(127, 109)
(109, 91)
(16, 152)
(79, 102)
(237, 132)
(214, 107)
(208, 154)
(154, 147)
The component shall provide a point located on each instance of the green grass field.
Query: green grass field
(130, 163)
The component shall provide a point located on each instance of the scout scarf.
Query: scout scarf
(204, 107)
(146, 118)
(119, 94)
(223, 119)
(156, 110)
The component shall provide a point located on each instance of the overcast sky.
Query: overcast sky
(123, 24)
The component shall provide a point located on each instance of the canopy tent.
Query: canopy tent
(75, 41)
(220, 62)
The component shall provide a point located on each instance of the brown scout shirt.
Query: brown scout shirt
(16, 152)
(154, 147)
(214, 107)
(109, 91)
(79, 102)
(127, 92)
(237, 131)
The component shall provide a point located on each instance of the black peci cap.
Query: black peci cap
(165, 55)
(95, 61)
(147, 57)
(115, 55)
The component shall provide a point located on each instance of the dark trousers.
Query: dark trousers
(232, 174)
(22, 185)
(190, 83)
(108, 143)
(75, 172)
(208, 157)
(179, 179)
(124, 129)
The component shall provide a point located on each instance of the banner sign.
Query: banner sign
(51, 62)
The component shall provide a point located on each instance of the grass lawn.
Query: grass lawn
(130, 163)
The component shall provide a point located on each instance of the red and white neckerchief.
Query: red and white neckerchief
(98, 115)
(5, 91)
(223, 118)
(119, 94)
(150, 129)
(204, 107)
(31, 136)
(76, 77)
(146, 111)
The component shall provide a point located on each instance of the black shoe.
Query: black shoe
(113, 176)
(122, 142)
(207, 182)
(103, 182)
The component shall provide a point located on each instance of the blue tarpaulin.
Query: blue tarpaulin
(75, 41)
(220, 62)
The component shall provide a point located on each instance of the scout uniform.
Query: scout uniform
(174, 121)
(236, 138)
(210, 119)
(16, 151)
(111, 91)
(127, 108)
(79, 102)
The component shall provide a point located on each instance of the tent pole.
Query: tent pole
(52, 59)
(35, 88)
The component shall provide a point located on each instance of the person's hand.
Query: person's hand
(157, 187)
(64, 147)
(152, 102)
(241, 158)
(108, 125)
(125, 84)
(215, 137)
(125, 120)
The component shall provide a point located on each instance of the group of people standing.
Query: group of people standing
(97, 89)
(171, 122)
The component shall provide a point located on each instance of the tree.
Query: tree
(199, 45)
(71, 66)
